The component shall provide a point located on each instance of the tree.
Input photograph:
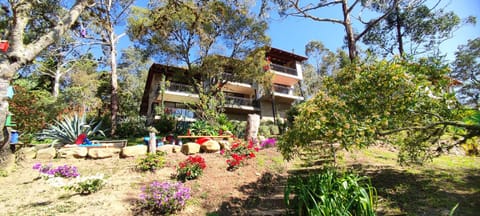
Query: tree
(206, 38)
(310, 11)
(105, 17)
(25, 44)
(413, 29)
(466, 68)
(132, 71)
(403, 103)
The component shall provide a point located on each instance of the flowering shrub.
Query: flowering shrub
(165, 197)
(65, 171)
(191, 168)
(239, 152)
(270, 142)
(86, 185)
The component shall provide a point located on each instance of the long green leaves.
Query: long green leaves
(330, 193)
(67, 130)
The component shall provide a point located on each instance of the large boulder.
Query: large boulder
(190, 148)
(74, 152)
(210, 146)
(46, 154)
(27, 153)
(100, 153)
(134, 151)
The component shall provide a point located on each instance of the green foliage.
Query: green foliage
(376, 100)
(151, 162)
(466, 68)
(132, 127)
(239, 128)
(32, 107)
(191, 168)
(166, 124)
(67, 130)
(331, 193)
(200, 127)
(86, 185)
(268, 128)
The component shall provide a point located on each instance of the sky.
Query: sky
(293, 33)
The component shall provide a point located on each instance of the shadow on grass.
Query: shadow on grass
(264, 197)
(37, 204)
(431, 192)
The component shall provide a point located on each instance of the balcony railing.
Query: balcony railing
(281, 89)
(233, 100)
(179, 87)
(284, 69)
(232, 78)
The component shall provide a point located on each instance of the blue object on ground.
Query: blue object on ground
(90, 145)
(14, 137)
(147, 139)
(159, 143)
(87, 141)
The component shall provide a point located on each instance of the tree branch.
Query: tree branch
(375, 22)
(301, 12)
(444, 123)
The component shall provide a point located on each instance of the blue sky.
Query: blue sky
(292, 33)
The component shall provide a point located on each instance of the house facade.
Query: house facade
(241, 97)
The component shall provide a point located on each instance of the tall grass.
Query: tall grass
(330, 193)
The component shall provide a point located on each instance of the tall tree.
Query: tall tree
(313, 11)
(103, 19)
(25, 44)
(413, 28)
(205, 37)
(466, 68)
(132, 72)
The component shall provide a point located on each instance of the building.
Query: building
(242, 97)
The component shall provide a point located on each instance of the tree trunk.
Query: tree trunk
(352, 48)
(21, 54)
(152, 143)
(399, 31)
(56, 82)
(253, 123)
(114, 93)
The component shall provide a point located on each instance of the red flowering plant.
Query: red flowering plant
(238, 154)
(191, 168)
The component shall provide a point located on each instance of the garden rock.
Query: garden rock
(100, 153)
(169, 148)
(75, 152)
(46, 154)
(210, 146)
(225, 145)
(190, 148)
(27, 153)
(134, 151)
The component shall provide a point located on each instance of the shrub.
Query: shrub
(191, 168)
(151, 161)
(164, 198)
(330, 193)
(67, 130)
(201, 127)
(238, 153)
(86, 185)
(65, 171)
(132, 127)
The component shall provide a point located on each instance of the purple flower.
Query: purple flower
(165, 197)
(37, 166)
(270, 142)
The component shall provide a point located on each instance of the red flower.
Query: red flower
(252, 155)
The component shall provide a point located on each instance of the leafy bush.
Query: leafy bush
(65, 171)
(86, 185)
(132, 127)
(330, 193)
(151, 161)
(238, 153)
(239, 128)
(67, 130)
(164, 198)
(201, 127)
(166, 124)
(191, 168)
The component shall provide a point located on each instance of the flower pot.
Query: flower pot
(4, 46)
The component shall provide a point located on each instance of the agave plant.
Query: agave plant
(68, 129)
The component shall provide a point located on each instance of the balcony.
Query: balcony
(283, 69)
(239, 103)
(237, 85)
(178, 92)
(284, 94)
(284, 75)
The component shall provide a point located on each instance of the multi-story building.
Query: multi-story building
(241, 97)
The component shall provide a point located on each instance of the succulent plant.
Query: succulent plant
(68, 129)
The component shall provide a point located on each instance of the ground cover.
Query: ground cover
(254, 189)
